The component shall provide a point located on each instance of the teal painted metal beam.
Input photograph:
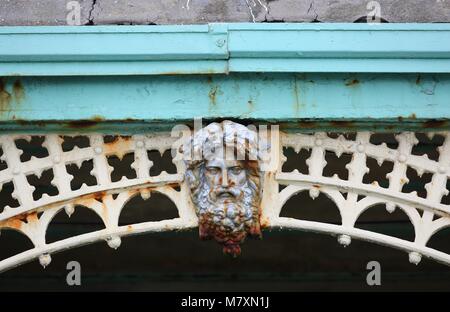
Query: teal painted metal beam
(224, 48)
(302, 101)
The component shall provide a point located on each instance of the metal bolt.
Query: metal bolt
(114, 241)
(57, 159)
(415, 257)
(318, 142)
(139, 144)
(45, 260)
(220, 43)
(402, 158)
(70, 209)
(360, 148)
(98, 150)
(442, 169)
(314, 193)
(344, 240)
(390, 207)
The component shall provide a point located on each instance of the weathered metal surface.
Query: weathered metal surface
(224, 48)
(428, 214)
(299, 101)
(33, 216)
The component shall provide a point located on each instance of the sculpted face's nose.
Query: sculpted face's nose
(224, 178)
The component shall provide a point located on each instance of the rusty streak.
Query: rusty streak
(351, 83)
(85, 123)
(212, 95)
(434, 123)
(17, 221)
(342, 124)
(418, 80)
(5, 97)
(18, 91)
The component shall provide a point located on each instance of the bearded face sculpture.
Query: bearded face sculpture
(224, 178)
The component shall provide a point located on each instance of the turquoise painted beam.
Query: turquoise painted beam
(134, 103)
(224, 48)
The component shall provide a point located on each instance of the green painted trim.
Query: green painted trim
(328, 101)
(224, 48)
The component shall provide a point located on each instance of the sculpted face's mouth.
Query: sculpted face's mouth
(225, 195)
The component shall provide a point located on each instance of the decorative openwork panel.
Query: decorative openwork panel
(42, 175)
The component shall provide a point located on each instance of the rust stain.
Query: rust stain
(435, 123)
(119, 146)
(316, 186)
(352, 82)
(212, 94)
(342, 124)
(5, 97)
(32, 217)
(22, 122)
(418, 80)
(129, 228)
(17, 221)
(98, 196)
(85, 123)
(264, 222)
(14, 223)
(18, 91)
(116, 139)
(308, 124)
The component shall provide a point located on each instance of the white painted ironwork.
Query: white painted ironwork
(33, 216)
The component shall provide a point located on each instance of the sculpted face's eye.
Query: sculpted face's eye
(213, 170)
(236, 170)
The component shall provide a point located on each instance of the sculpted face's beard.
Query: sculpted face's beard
(227, 214)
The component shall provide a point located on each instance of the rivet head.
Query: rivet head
(16, 170)
(344, 240)
(45, 260)
(314, 193)
(220, 42)
(360, 148)
(57, 159)
(70, 209)
(114, 242)
(415, 257)
(139, 144)
(402, 158)
(98, 150)
(390, 207)
(318, 142)
(442, 169)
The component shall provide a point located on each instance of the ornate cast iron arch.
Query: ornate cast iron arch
(277, 75)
